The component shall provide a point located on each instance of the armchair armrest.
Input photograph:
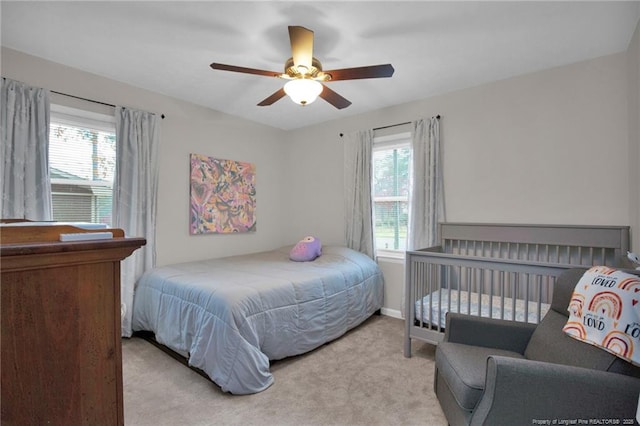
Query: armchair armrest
(520, 391)
(488, 332)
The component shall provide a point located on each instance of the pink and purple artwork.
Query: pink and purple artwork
(223, 196)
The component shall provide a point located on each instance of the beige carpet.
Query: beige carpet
(360, 379)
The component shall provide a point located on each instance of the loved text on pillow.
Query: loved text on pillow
(605, 312)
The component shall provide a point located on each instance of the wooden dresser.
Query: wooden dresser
(61, 351)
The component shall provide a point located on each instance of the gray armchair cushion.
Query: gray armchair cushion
(563, 289)
(463, 368)
(550, 344)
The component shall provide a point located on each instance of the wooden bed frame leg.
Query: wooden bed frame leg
(150, 337)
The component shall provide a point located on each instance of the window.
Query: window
(391, 163)
(82, 160)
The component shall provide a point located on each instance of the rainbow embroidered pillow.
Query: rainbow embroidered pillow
(605, 312)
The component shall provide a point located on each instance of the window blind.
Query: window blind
(82, 162)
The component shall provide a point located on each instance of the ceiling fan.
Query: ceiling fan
(305, 74)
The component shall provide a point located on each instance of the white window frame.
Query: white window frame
(383, 143)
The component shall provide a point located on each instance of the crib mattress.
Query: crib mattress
(472, 303)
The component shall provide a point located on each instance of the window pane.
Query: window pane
(391, 172)
(82, 153)
(391, 225)
(391, 190)
(71, 207)
(82, 164)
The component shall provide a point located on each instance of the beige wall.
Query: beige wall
(186, 129)
(393, 272)
(535, 149)
(548, 147)
(556, 146)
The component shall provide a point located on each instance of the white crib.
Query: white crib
(502, 271)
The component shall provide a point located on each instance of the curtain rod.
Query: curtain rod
(393, 125)
(90, 100)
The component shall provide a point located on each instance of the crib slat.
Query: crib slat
(501, 281)
(526, 297)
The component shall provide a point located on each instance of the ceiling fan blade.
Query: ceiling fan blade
(333, 98)
(301, 46)
(372, 71)
(234, 68)
(273, 98)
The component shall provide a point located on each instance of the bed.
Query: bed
(504, 271)
(231, 316)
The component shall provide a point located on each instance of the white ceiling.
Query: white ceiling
(435, 47)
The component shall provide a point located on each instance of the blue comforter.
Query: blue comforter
(230, 316)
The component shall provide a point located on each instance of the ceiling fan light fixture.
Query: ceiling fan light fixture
(303, 91)
(306, 79)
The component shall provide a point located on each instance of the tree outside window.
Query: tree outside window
(391, 196)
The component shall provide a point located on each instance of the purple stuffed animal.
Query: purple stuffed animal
(306, 250)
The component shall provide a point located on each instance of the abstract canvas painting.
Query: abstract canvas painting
(223, 196)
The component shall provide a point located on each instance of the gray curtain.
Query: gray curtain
(135, 196)
(426, 197)
(24, 153)
(358, 149)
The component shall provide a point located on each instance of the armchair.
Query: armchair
(497, 372)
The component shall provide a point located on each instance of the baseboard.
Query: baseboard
(391, 313)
